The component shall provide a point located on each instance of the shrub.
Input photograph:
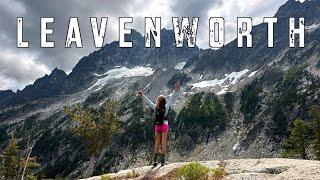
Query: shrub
(132, 174)
(218, 173)
(105, 177)
(197, 171)
(193, 171)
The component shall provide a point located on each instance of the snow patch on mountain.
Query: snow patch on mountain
(121, 72)
(252, 74)
(223, 91)
(229, 79)
(180, 66)
(302, 1)
(210, 83)
(312, 27)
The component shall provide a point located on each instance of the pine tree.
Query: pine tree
(316, 130)
(96, 128)
(10, 160)
(28, 164)
(214, 114)
(31, 165)
(297, 143)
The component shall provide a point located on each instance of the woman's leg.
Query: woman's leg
(157, 140)
(164, 142)
(163, 147)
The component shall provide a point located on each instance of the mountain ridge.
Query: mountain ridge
(233, 105)
(83, 74)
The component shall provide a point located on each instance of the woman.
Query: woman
(161, 125)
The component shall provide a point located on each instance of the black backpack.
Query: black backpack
(159, 115)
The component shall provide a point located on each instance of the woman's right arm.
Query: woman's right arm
(149, 102)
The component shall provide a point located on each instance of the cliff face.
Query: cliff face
(248, 169)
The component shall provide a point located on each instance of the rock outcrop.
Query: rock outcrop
(271, 168)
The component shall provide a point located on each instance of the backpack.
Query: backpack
(159, 115)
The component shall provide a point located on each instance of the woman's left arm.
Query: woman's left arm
(172, 97)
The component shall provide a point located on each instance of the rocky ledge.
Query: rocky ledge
(269, 168)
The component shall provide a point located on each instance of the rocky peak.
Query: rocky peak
(58, 74)
(309, 9)
(4, 95)
(232, 58)
(135, 37)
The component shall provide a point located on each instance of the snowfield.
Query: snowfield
(121, 72)
(312, 27)
(180, 66)
(229, 79)
(252, 74)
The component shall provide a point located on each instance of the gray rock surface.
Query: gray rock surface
(270, 168)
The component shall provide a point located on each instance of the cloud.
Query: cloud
(44, 59)
(19, 68)
(7, 83)
(231, 9)
(15, 71)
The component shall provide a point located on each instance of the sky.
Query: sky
(22, 66)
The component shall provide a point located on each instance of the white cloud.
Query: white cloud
(7, 83)
(231, 9)
(8, 4)
(19, 67)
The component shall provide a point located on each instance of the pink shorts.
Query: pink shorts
(161, 128)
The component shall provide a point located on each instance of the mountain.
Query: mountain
(236, 102)
(83, 74)
(45, 87)
(4, 95)
(232, 58)
(309, 9)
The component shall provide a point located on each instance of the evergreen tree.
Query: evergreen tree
(202, 115)
(96, 128)
(297, 143)
(316, 130)
(250, 101)
(10, 160)
(31, 165)
(214, 114)
(229, 100)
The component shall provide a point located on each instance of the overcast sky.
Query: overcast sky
(19, 67)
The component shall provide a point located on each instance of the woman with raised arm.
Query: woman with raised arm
(161, 125)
